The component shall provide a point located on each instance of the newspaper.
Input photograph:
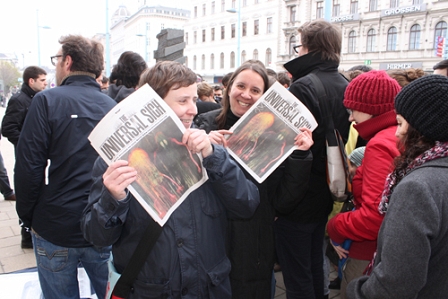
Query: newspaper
(264, 136)
(143, 130)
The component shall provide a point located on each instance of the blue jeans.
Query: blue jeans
(58, 268)
(5, 187)
(299, 250)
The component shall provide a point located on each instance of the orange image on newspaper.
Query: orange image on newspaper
(261, 141)
(165, 168)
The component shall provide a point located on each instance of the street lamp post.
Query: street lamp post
(146, 43)
(238, 11)
(38, 36)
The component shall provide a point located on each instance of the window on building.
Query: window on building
(292, 13)
(212, 34)
(212, 61)
(162, 26)
(371, 36)
(243, 56)
(213, 7)
(292, 43)
(203, 9)
(373, 5)
(232, 60)
(232, 31)
(268, 58)
(414, 37)
(195, 37)
(394, 3)
(256, 27)
(417, 2)
(353, 6)
(336, 8)
(256, 1)
(223, 32)
(319, 10)
(244, 3)
(195, 12)
(440, 30)
(269, 25)
(255, 56)
(186, 38)
(244, 29)
(203, 35)
(221, 61)
(352, 42)
(223, 5)
(194, 62)
(391, 39)
(233, 4)
(203, 62)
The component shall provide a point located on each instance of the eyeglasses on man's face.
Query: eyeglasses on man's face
(54, 59)
(296, 48)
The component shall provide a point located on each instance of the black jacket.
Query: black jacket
(317, 203)
(56, 129)
(15, 113)
(250, 242)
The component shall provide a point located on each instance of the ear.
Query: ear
(68, 62)
(31, 81)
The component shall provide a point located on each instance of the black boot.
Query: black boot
(26, 239)
(335, 284)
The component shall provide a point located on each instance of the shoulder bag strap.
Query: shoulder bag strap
(124, 284)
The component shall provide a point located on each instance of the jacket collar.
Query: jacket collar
(369, 128)
(77, 73)
(28, 90)
(305, 64)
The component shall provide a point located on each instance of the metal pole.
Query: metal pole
(238, 54)
(38, 37)
(107, 40)
(146, 43)
(327, 10)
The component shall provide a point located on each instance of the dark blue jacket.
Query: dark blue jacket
(56, 128)
(189, 258)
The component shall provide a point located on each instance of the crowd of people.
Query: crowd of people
(224, 239)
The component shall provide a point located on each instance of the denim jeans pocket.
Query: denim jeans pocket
(50, 256)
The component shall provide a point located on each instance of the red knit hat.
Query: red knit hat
(372, 93)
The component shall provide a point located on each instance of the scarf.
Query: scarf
(439, 150)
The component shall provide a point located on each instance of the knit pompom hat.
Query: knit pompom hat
(424, 105)
(372, 93)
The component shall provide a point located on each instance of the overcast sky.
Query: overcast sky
(18, 23)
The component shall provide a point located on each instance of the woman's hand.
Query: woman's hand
(218, 137)
(118, 177)
(198, 141)
(304, 140)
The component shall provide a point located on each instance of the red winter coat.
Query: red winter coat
(362, 225)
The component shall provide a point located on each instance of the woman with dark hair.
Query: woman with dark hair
(412, 251)
(189, 259)
(250, 242)
(126, 75)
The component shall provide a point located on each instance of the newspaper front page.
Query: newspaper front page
(264, 136)
(143, 130)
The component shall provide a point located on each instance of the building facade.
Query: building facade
(137, 32)
(385, 34)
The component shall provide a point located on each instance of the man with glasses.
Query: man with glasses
(300, 234)
(34, 80)
(53, 169)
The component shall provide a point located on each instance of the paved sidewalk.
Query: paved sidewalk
(13, 257)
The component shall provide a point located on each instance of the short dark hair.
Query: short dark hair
(360, 67)
(441, 65)
(32, 72)
(167, 75)
(217, 87)
(128, 69)
(283, 78)
(104, 80)
(322, 37)
(225, 79)
(86, 54)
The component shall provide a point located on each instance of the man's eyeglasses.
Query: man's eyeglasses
(296, 48)
(54, 59)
